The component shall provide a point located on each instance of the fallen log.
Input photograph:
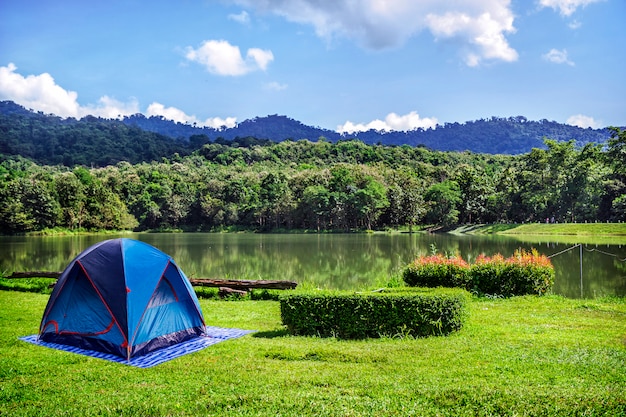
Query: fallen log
(226, 291)
(244, 284)
(200, 282)
(34, 274)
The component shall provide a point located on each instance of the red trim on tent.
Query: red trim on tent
(171, 288)
(169, 262)
(103, 302)
(52, 322)
(49, 307)
(132, 341)
(108, 329)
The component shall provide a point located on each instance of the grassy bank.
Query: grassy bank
(555, 229)
(518, 356)
(582, 229)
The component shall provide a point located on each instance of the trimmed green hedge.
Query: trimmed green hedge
(39, 285)
(523, 273)
(358, 316)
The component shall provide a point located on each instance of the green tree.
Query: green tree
(614, 200)
(443, 200)
(369, 202)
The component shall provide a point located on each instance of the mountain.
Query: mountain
(52, 140)
(512, 135)
(49, 139)
(274, 127)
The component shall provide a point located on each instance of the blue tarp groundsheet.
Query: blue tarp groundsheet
(214, 335)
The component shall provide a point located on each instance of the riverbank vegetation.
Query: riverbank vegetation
(319, 186)
(526, 356)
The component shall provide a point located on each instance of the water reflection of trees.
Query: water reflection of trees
(341, 261)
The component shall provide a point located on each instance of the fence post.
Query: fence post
(581, 269)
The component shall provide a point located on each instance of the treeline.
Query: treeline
(319, 185)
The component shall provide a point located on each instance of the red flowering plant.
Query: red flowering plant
(526, 272)
(437, 271)
(486, 274)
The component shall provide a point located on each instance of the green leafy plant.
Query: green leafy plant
(525, 272)
(437, 270)
(358, 316)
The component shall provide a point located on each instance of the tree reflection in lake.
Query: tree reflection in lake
(339, 261)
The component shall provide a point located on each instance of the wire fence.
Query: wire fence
(580, 245)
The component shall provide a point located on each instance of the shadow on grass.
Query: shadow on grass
(271, 334)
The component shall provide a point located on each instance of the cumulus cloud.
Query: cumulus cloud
(484, 33)
(558, 57)
(480, 26)
(393, 121)
(566, 7)
(42, 93)
(221, 58)
(583, 121)
(177, 115)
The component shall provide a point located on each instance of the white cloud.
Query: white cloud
(243, 17)
(110, 108)
(484, 33)
(566, 7)
(42, 93)
(170, 113)
(393, 121)
(583, 121)
(218, 122)
(38, 92)
(177, 115)
(221, 58)
(480, 26)
(558, 57)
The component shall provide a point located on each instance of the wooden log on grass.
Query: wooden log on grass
(34, 274)
(244, 285)
(224, 292)
(235, 284)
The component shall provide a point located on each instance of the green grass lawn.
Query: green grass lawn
(532, 356)
(595, 229)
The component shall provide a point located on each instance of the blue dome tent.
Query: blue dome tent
(124, 297)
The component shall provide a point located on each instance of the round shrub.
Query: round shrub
(526, 272)
(436, 271)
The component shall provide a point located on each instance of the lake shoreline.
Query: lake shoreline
(546, 229)
(543, 229)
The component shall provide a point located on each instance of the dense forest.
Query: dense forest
(90, 141)
(321, 185)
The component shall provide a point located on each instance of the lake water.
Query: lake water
(339, 261)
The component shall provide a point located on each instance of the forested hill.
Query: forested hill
(513, 135)
(90, 141)
(49, 139)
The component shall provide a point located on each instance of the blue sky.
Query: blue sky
(343, 65)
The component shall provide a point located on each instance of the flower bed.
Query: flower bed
(526, 272)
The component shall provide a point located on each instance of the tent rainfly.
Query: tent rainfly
(124, 297)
